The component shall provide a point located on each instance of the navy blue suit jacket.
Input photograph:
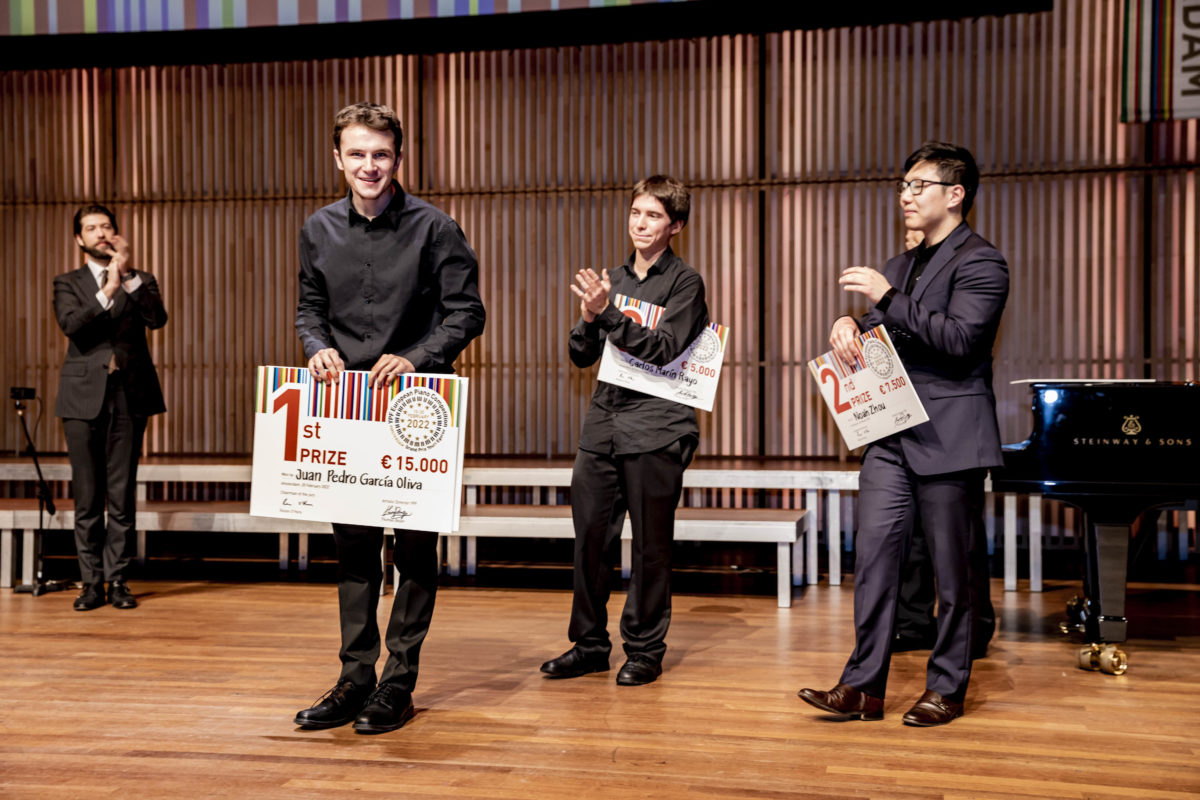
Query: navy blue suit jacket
(944, 334)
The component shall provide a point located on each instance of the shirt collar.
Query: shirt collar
(927, 252)
(664, 261)
(390, 216)
(95, 268)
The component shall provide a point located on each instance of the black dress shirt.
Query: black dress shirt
(920, 260)
(922, 255)
(622, 421)
(405, 283)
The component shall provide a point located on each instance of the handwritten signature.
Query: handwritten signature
(395, 514)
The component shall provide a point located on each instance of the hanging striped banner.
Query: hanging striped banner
(35, 17)
(1162, 60)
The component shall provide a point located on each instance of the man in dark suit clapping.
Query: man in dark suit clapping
(107, 389)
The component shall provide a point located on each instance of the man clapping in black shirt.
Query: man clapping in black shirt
(634, 447)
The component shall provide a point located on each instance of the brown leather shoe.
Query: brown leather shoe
(845, 701)
(932, 709)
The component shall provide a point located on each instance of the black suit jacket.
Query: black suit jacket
(96, 335)
(944, 334)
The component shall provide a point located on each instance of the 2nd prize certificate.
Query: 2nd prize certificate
(871, 398)
(690, 379)
(344, 452)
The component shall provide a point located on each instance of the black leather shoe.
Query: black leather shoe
(120, 596)
(574, 663)
(388, 708)
(91, 597)
(339, 706)
(844, 701)
(638, 670)
(932, 709)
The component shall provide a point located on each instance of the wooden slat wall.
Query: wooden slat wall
(790, 141)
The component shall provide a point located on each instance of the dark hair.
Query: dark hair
(673, 195)
(955, 165)
(370, 115)
(94, 208)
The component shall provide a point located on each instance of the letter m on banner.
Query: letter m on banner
(1161, 79)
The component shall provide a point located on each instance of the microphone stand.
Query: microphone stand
(40, 585)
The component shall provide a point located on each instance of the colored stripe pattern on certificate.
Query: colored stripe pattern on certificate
(353, 397)
(641, 311)
(722, 333)
(840, 369)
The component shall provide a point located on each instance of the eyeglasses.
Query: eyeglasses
(917, 185)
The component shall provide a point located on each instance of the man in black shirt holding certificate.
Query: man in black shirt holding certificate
(634, 447)
(387, 284)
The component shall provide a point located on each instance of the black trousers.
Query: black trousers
(104, 455)
(891, 498)
(603, 488)
(914, 611)
(360, 574)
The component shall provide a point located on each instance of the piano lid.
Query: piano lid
(1112, 436)
(1082, 380)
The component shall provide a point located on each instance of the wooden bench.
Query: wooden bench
(703, 474)
(811, 477)
(779, 526)
(785, 528)
(205, 517)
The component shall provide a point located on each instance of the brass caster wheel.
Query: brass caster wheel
(1089, 657)
(1066, 628)
(1113, 661)
(1108, 659)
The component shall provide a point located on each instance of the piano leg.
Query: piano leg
(1107, 565)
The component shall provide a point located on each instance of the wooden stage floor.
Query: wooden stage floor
(192, 695)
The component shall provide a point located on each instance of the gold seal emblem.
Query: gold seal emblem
(418, 418)
(1131, 427)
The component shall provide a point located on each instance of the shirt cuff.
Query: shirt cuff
(104, 300)
(609, 318)
(133, 284)
(886, 300)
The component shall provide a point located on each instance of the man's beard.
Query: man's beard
(102, 256)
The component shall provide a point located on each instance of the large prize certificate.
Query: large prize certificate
(690, 379)
(872, 398)
(345, 452)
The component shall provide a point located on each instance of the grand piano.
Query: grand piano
(1114, 449)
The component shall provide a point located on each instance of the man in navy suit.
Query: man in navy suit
(941, 304)
(106, 391)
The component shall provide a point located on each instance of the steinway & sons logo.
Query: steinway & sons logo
(1131, 427)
